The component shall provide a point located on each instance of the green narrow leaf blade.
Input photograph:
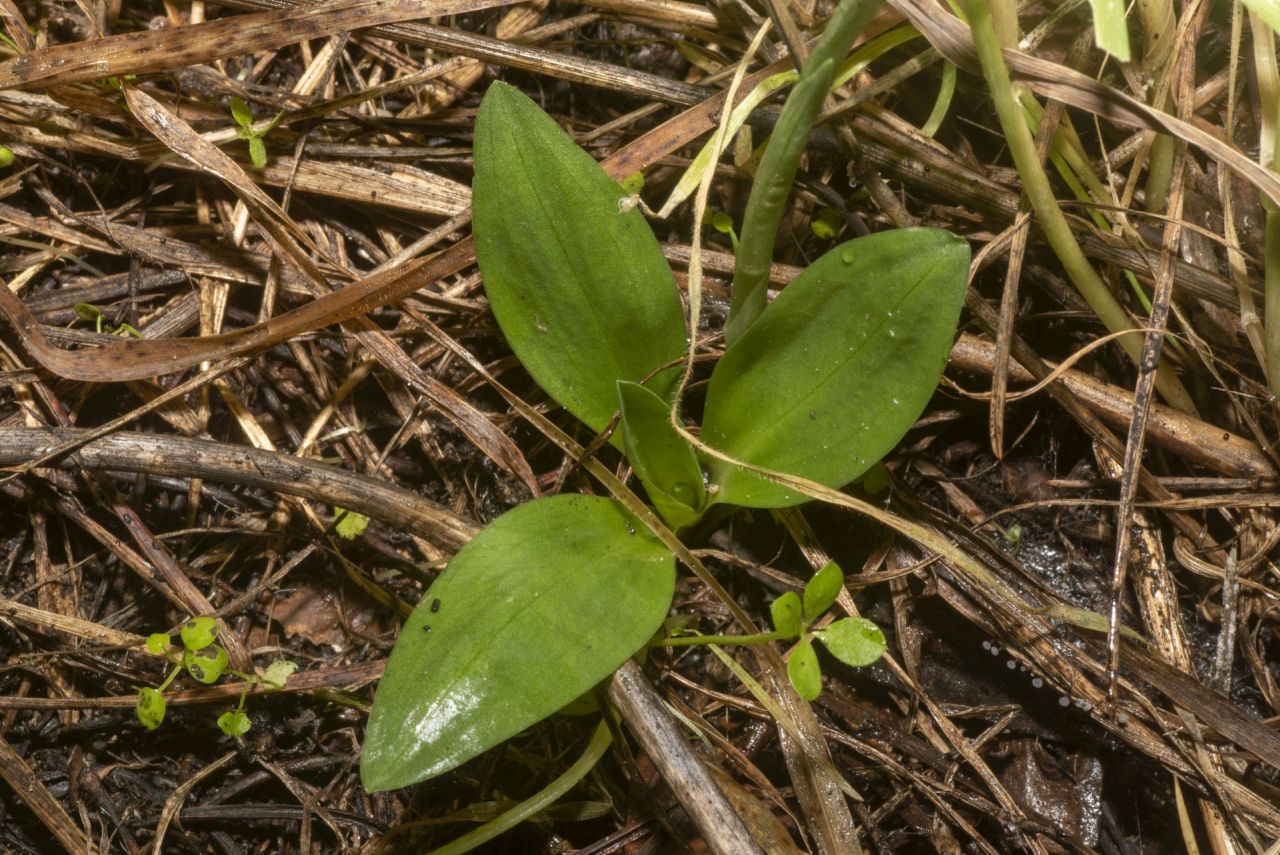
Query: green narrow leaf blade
(839, 367)
(785, 613)
(1109, 31)
(854, 641)
(665, 463)
(538, 608)
(822, 590)
(803, 670)
(579, 286)
(1267, 10)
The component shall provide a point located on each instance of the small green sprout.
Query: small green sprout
(350, 524)
(234, 722)
(723, 223)
(633, 183)
(7, 157)
(89, 312)
(275, 675)
(205, 661)
(827, 224)
(244, 118)
(854, 641)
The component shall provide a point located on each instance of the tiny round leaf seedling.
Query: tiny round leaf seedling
(150, 708)
(826, 224)
(633, 183)
(199, 632)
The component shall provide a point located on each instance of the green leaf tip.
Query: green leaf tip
(579, 285)
(822, 590)
(665, 463)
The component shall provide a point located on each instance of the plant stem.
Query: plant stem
(553, 792)
(177, 669)
(1268, 76)
(690, 640)
(777, 169)
(1035, 183)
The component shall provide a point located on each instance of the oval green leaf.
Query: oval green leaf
(539, 607)
(838, 368)
(150, 708)
(199, 632)
(664, 462)
(803, 670)
(822, 590)
(785, 612)
(854, 641)
(206, 666)
(579, 286)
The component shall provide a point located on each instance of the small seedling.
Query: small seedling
(854, 641)
(205, 661)
(723, 223)
(244, 119)
(89, 312)
(827, 224)
(350, 524)
(7, 157)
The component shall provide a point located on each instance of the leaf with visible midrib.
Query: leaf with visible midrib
(539, 607)
(580, 288)
(838, 368)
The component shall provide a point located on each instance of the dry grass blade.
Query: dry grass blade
(192, 458)
(194, 44)
(1052, 80)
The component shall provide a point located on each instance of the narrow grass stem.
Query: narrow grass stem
(1035, 184)
(777, 169)
(690, 640)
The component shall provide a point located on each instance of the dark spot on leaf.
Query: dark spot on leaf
(426, 627)
(435, 605)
